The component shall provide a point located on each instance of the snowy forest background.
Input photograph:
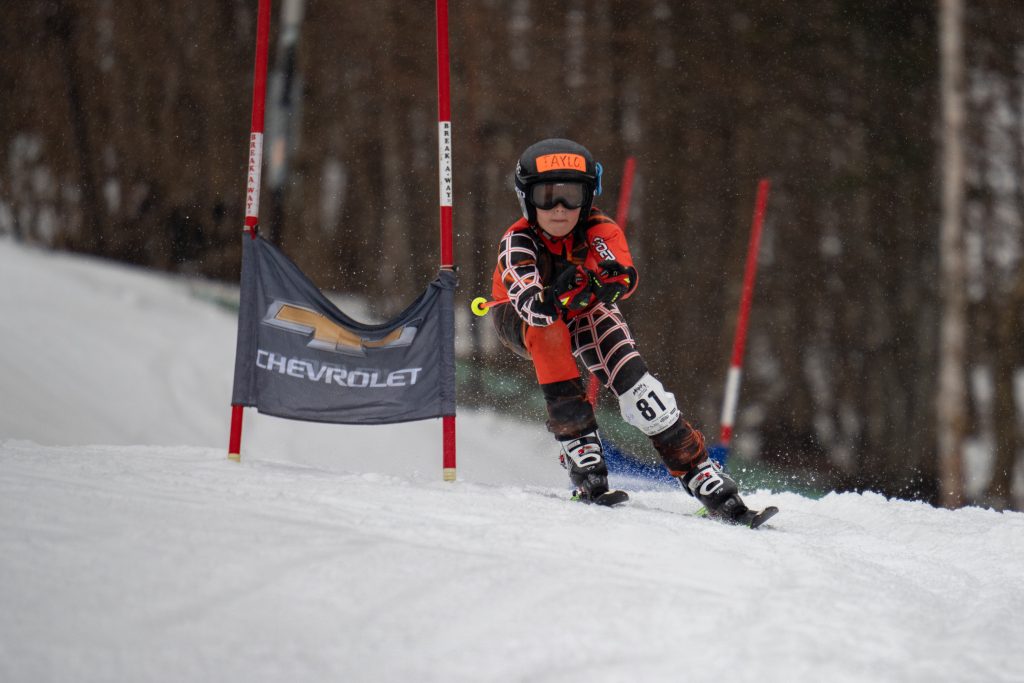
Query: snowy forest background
(124, 134)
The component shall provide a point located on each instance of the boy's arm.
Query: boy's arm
(517, 261)
(608, 244)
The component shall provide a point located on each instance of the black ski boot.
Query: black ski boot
(583, 458)
(719, 494)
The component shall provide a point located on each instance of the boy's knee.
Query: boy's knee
(648, 406)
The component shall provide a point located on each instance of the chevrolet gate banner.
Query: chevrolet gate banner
(299, 357)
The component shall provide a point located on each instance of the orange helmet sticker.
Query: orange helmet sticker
(561, 162)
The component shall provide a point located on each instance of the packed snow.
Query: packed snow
(132, 549)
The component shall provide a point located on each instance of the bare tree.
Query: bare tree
(952, 397)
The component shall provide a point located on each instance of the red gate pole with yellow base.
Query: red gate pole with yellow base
(252, 185)
(444, 158)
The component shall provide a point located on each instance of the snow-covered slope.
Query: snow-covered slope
(131, 549)
(100, 353)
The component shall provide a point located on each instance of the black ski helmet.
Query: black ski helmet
(556, 159)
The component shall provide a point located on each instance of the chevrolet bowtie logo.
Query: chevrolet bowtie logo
(329, 335)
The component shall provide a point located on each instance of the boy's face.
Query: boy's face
(559, 221)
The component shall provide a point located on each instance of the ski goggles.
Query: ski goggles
(547, 196)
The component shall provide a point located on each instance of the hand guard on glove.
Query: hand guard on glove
(572, 290)
(611, 280)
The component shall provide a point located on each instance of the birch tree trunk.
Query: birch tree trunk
(952, 395)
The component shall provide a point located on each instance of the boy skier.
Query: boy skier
(563, 267)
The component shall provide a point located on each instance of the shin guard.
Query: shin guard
(680, 447)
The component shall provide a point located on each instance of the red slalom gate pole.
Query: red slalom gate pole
(626, 194)
(621, 215)
(732, 384)
(254, 173)
(444, 155)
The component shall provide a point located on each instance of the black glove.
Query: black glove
(611, 280)
(571, 290)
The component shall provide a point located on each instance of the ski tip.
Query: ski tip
(749, 518)
(763, 516)
(610, 498)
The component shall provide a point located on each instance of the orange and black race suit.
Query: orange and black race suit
(528, 261)
(529, 324)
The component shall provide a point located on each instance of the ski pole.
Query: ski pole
(720, 451)
(480, 305)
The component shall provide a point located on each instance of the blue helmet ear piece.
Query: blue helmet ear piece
(522, 203)
(599, 169)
